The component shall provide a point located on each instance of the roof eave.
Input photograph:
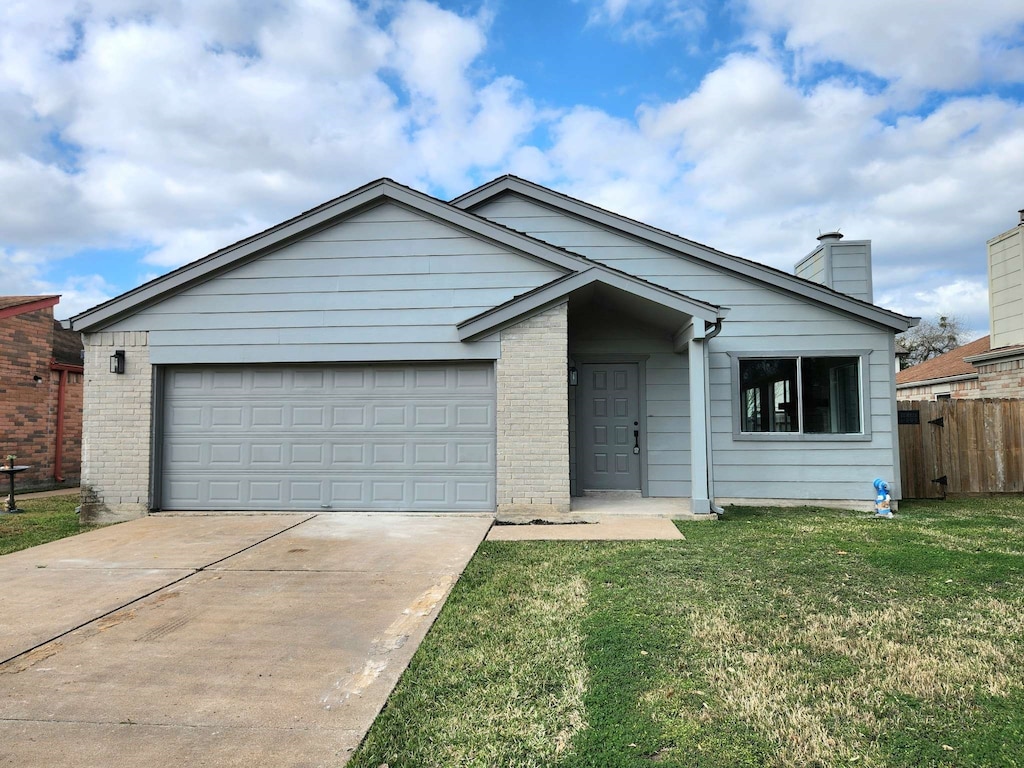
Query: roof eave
(995, 354)
(939, 380)
(32, 305)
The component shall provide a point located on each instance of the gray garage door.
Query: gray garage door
(409, 437)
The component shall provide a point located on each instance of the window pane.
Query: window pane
(831, 395)
(768, 396)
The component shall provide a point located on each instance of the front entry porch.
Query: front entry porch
(602, 385)
(637, 406)
(617, 504)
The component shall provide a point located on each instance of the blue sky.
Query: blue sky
(142, 134)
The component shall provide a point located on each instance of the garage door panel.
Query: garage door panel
(183, 491)
(471, 492)
(226, 455)
(468, 415)
(266, 491)
(184, 417)
(387, 381)
(468, 454)
(393, 492)
(346, 437)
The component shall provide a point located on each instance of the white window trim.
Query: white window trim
(864, 371)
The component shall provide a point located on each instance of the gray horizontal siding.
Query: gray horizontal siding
(781, 489)
(813, 267)
(851, 269)
(342, 318)
(1006, 289)
(387, 284)
(268, 303)
(760, 320)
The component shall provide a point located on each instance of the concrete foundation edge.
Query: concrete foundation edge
(540, 510)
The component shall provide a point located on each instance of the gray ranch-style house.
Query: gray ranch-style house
(506, 351)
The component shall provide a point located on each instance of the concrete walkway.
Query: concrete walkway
(586, 528)
(46, 494)
(218, 640)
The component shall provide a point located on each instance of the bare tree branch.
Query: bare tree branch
(931, 338)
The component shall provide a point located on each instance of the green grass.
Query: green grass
(772, 638)
(44, 520)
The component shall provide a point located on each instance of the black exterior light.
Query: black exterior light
(574, 377)
(117, 362)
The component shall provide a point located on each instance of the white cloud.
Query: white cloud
(757, 165)
(186, 126)
(433, 50)
(22, 270)
(963, 298)
(647, 20)
(187, 244)
(176, 128)
(944, 44)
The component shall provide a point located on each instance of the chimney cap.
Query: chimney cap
(830, 236)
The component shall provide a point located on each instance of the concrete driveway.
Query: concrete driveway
(220, 640)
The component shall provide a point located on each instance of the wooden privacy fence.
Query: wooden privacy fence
(961, 447)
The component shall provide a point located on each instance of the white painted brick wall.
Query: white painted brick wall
(116, 424)
(533, 415)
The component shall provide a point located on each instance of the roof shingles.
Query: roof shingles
(949, 364)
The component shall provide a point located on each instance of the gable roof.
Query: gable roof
(458, 214)
(681, 246)
(10, 306)
(556, 291)
(945, 366)
(331, 212)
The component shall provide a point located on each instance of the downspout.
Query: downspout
(717, 329)
(58, 451)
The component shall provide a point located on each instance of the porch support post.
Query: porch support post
(699, 426)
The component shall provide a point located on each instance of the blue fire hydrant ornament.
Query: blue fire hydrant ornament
(883, 502)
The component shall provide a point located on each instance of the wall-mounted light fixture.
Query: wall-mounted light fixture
(37, 379)
(117, 362)
(574, 377)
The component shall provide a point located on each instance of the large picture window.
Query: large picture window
(802, 395)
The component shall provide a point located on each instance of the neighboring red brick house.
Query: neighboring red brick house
(973, 370)
(40, 392)
(946, 376)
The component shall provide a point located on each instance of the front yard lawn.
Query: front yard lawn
(772, 638)
(44, 520)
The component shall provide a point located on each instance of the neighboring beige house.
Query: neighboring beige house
(992, 366)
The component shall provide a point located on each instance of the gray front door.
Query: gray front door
(607, 427)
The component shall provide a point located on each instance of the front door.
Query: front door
(608, 427)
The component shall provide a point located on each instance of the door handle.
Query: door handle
(636, 439)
